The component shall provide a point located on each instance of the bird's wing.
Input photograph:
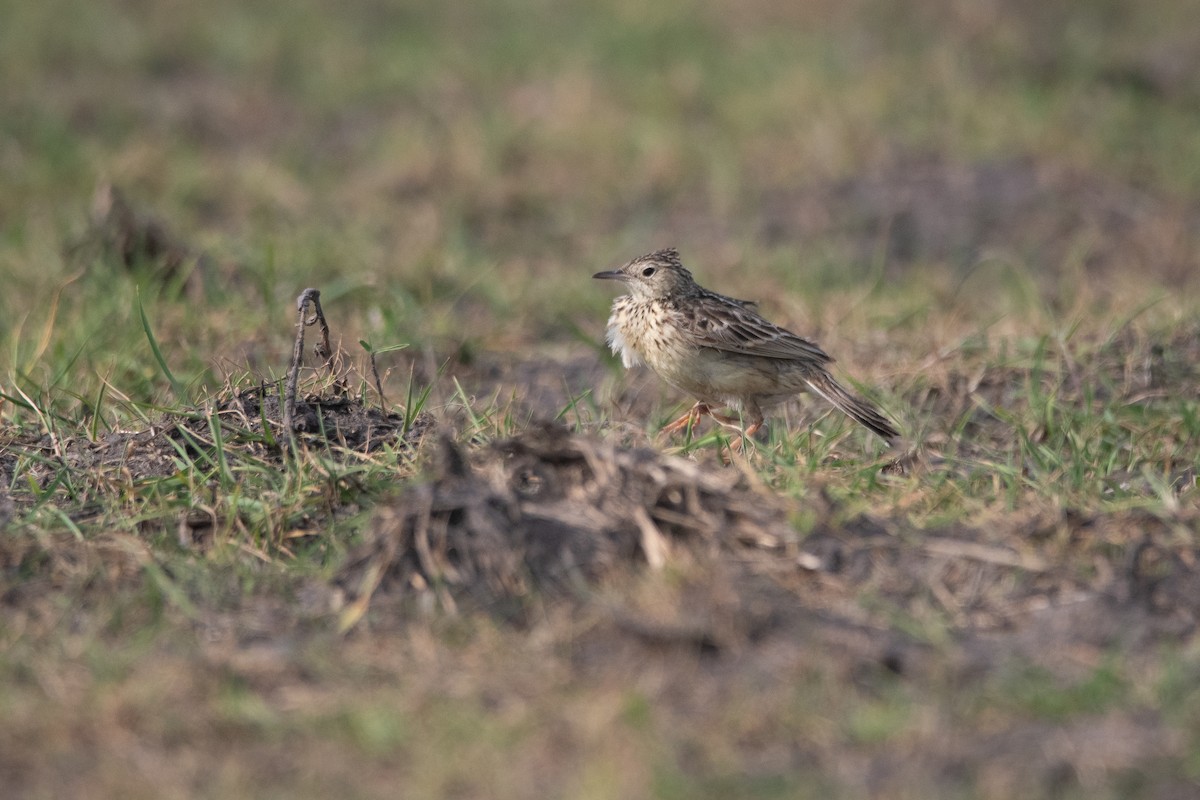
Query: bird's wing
(716, 322)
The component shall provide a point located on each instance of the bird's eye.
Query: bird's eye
(647, 272)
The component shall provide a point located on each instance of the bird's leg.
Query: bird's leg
(687, 420)
(747, 434)
(728, 420)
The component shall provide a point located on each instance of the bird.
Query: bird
(720, 350)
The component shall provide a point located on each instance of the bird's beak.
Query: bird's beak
(610, 275)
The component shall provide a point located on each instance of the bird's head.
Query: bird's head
(654, 275)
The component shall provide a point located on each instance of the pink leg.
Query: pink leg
(689, 419)
(739, 445)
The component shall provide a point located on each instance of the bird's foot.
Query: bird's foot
(688, 420)
(740, 444)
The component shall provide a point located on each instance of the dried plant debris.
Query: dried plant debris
(308, 298)
(1021, 579)
(552, 515)
(247, 423)
(338, 420)
(551, 511)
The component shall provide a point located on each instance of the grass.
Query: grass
(987, 214)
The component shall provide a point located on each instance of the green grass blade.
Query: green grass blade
(176, 387)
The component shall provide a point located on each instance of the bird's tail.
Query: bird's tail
(859, 409)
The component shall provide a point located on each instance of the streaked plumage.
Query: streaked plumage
(719, 349)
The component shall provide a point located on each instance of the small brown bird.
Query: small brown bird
(719, 350)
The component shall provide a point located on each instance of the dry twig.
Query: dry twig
(322, 350)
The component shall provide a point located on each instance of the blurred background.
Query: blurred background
(452, 174)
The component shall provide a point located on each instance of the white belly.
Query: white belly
(621, 346)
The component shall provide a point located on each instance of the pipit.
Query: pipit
(719, 350)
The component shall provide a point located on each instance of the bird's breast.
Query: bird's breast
(643, 333)
(647, 333)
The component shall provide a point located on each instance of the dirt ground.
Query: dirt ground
(610, 564)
